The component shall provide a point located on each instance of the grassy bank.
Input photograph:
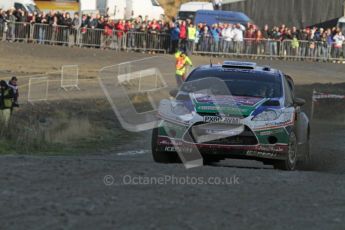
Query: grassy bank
(82, 126)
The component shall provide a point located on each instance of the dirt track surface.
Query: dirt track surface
(70, 192)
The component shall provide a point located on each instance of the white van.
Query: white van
(88, 5)
(150, 8)
(26, 5)
(341, 24)
(189, 9)
(114, 8)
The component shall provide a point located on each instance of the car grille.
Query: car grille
(247, 137)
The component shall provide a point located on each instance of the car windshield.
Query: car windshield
(155, 3)
(342, 27)
(33, 8)
(183, 15)
(250, 84)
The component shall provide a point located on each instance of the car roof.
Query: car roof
(233, 68)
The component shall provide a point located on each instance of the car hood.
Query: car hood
(226, 104)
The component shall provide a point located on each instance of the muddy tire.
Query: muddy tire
(306, 163)
(162, 156)
(210, 160)
(289, 164)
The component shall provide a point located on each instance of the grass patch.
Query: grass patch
(63, 128)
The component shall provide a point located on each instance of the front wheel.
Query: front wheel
(162, 156)
(289, 164)
(306, 164)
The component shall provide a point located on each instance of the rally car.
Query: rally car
(235, 110)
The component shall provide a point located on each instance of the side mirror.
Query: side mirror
(299, 102)
(173, 92)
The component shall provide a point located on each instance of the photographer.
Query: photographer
(13, 84)
(6, 102)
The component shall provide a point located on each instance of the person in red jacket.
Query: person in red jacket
(183, 34)
(154, 24)
(120, 28)
(108, 26)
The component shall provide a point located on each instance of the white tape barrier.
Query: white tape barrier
(38, 89)
(70, 77)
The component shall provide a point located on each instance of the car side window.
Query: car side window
(288, 88)
(291, 85)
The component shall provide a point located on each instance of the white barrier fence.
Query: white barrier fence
(70, 77)
(38, 89)
(318, 96)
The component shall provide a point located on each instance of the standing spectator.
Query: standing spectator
(238, 37)
(312, 43)
(174, 34)
(338, 44)
(67, 22)
(215, 38)
(191, 38)
(20, 29)
(303, 43)
(143, 37)
(130, 29)
(330, 42)
(266, 34)
(226, 38)
(41, 21)
(11, 20)
(205, 37)
(318, 42)
(183, 34)
(54, 29)
(13, 84)
(6, 100)
(324, 47)
(83, 25)
(286, 40)
(259, 44)
(93, 38)
(249, 40)
(275, 36)
(153, 37)
(294, 45)
(107, 32)
(136, 28)
(74, 30)
(2, 23)
(120, 28)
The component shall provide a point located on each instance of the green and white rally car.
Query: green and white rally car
(235, 110)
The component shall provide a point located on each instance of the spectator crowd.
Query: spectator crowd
(157, 35)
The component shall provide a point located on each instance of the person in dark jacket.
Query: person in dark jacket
(67, 22)
(13, 83)
(6, 102)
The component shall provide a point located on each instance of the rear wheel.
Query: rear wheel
(161, 156)
(289, 163)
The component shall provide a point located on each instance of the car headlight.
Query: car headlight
(182, 113)
(268, 115)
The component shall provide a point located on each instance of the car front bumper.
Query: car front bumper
(264, 151)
